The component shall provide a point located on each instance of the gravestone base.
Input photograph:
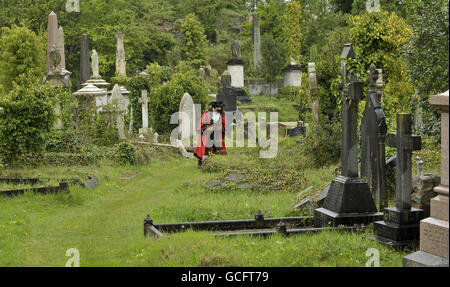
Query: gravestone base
(59, 79)
(348, 202)
(145, 131)
(424, 259)
(324, 217)
(399, 228)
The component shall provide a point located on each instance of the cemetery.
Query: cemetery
(224, 133)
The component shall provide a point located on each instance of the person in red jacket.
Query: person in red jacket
(212, 129)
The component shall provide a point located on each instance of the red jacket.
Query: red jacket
(205, 122)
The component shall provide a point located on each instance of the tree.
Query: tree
(193, 41)
(428, 56)
(273, 58)
(21, 57)
(379, 38)
(292, 31)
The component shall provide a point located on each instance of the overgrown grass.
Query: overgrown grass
(106, 224)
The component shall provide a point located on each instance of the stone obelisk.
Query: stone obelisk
(52, 35)
(256, 36)
(121, 70)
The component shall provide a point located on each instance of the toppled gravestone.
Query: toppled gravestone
(422, 191)
(306, 205)
(323, 195)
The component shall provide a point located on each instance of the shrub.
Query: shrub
(126, 153)
(166, 99)
(25, 121)
(322, 145)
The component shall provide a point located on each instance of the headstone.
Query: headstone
(349, 200)
(85, 70)
(315, 103)
(256, 37)
(144, 100)
(117, 96)
(373, 137)
(226, 94)
(297, 131)
(292, 75)
(401, 223)
(91, 183)
(188, 126)
(236, 66)
(434, 230)
(120, 56)
(306, 205)
(422, 191)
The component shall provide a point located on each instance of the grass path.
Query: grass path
(106, 225)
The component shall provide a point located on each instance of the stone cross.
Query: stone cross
(85, 70)
(373, 138)
(351, 93)
(256, 36)
(144, 100)
(52, 35)
(95, 73)
(120, 56)
(314, 92)
(405, 143)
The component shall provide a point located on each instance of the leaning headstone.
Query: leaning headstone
(85, 70)
(422, 191)
(434, 230)
(256, 37)
(373, 138)
(118, 98)
(121, 70)
(401, 223)
(313, 90)
(144, 100)
(349, 200)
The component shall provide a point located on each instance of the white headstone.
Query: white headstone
(187, 127)
(94, 64)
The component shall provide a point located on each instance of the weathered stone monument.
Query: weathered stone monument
(373, 138)
(315, 103)
(434, 230)
(87, 98)
(256, 38)
(236, 66)
(144, 100)
(57, 75)
(121, 70)
(117, 98)
(292, 75)
(85, 70)
(96, 79)
(349, 200)
(401, 223)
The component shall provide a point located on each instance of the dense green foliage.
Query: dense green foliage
(166, 98)
(193, 41)
(26, 119)
(21, 57)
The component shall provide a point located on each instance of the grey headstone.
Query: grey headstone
(306, 204)
(323, 195)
